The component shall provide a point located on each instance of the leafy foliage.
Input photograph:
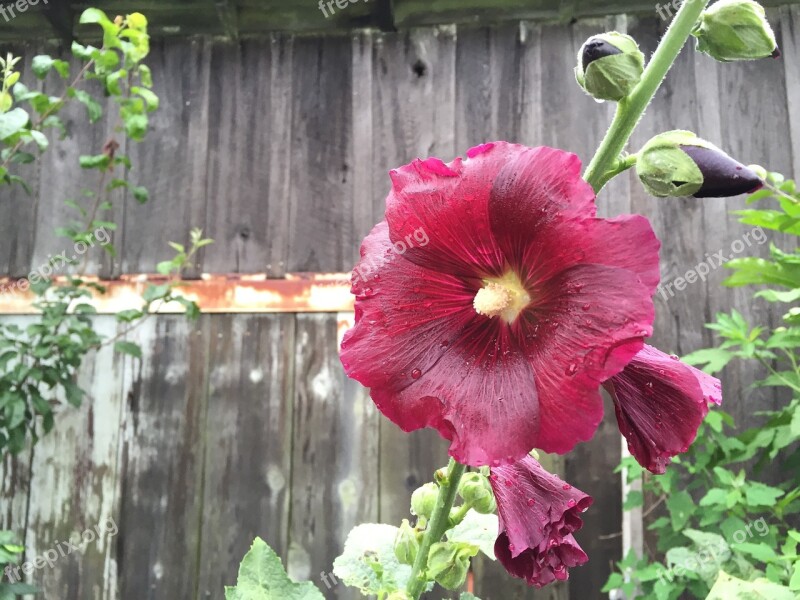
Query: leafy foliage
(726, 534)
(262, 577)
(39, 363)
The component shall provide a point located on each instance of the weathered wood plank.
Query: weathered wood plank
(172, 162)
(320, 197)
(249, 156)
(248, 442)
(334, 482)
(161, 490)
(73, 489)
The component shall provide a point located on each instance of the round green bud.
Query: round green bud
(678, 163)
(477, 492)
(448, 563)
(423, 500)
(610, 65)
(735, 30)
(406, 544)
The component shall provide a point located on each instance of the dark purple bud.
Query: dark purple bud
(722, 175)
(596, 48)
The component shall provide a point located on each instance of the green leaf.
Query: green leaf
(262, 577)
(93, 108)
(478, 530)
(728, 587)
(41, 65)
(369, 562)
(12, 122)
(129, 348)
(758, 494)
(681, 507)
(141, 194)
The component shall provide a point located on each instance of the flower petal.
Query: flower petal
(586, 325)
(448, 204)
(660, 403)
(538, 515)
(443, 366)
(392, 337)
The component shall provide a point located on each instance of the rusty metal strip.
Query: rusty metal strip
(295, 293)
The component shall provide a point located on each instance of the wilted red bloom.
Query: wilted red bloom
(492, 303)
(538, 515)
(660, 402)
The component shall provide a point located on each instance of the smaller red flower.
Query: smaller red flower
(660, 403)
(538, 515)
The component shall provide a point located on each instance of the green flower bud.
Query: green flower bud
(609, 66)
(477, 492)
(448, 563)
(678, 163)
(406, 545)
(735, 30)
(424, 499)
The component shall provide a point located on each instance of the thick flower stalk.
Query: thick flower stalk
(538, 515)
(492, 302)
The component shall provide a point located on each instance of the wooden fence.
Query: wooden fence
(245, 425)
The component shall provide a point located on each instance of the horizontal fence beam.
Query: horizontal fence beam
(227, 293)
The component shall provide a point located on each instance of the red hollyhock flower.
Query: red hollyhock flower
(538, 515)
(492, 302)
(660, 403)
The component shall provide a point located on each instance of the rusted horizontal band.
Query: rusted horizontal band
(229, 293)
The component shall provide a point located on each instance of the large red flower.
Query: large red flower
(492, 302)
(660, 403)
(538, 515)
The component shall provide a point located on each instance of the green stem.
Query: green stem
(439, 523)
(630, 110)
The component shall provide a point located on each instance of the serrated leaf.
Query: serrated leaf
(367, 547)
(478, 530)
(262, 577)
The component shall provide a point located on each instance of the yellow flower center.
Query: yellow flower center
(502, 297)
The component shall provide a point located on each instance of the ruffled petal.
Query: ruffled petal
(660, 403)
(538, 515)
(406, 316)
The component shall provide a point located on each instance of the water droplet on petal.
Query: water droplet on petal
(531, 501)
(566, 486)
(571, 370)
(571, 503)
(586, 306)
(416, 374)
(674, 357)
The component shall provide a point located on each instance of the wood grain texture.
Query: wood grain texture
(334, 483)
